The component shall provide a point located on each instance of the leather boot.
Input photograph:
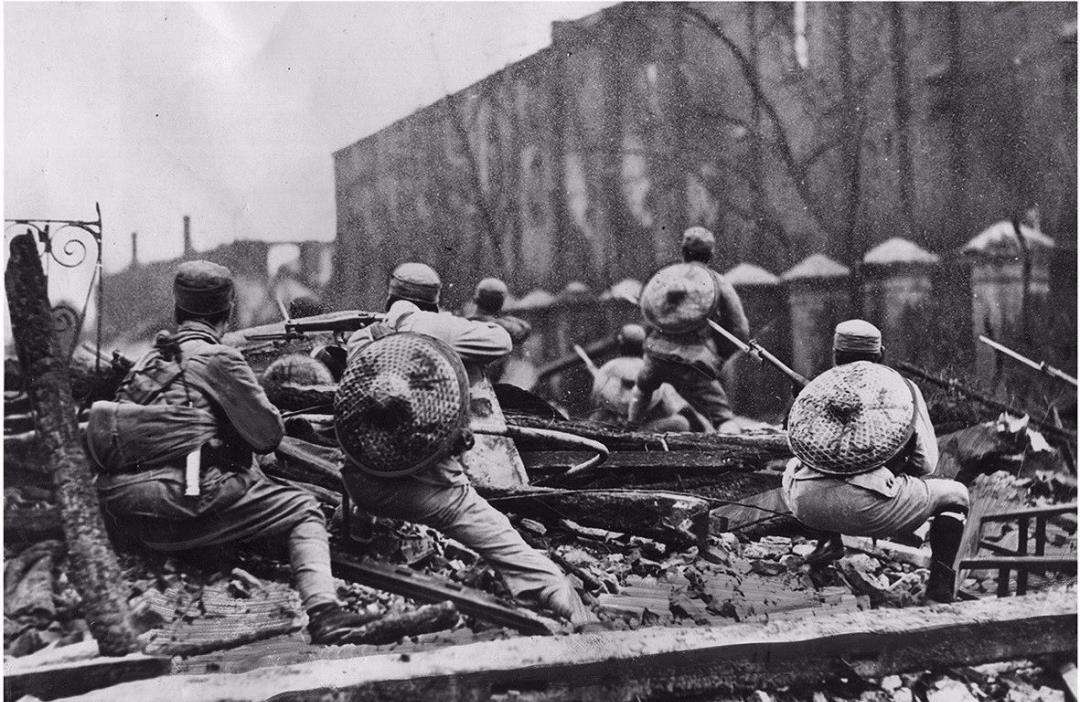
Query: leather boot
(946, 532)
(331, 625)
(829, 548)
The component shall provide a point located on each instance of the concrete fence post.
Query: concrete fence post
(896, 286)
(1004, 305)
(818, 299)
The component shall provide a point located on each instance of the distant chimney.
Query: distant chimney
(134, 249)
(188, 248)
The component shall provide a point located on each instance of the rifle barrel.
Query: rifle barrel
(1042, 367)
(952, 384)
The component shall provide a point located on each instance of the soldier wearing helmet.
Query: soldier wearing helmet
(192, 396)
(488, 303)
(691, 361)
(864, 452)
(613, 387)
(441, 495)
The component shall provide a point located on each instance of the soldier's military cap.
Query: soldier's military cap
(698, 239)
(417, 282)
(857, 335)
(490, 294)
(202, 287)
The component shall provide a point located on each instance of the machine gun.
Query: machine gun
(337, 323)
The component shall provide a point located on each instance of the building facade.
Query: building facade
(788, 129)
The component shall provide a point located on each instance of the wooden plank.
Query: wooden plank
(918, 557)
(1044, 511)
(1063, 563)
(78, 677)
(663, 662)
(675, 519)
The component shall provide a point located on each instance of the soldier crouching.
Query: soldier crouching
(194, 401)
(439, 494)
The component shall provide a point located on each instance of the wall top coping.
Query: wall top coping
(534, 298)
(749, 274)
(898, 250)
(627, 287)
(1000, 238)
(815, 266)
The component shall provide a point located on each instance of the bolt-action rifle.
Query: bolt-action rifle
(750, 348)
(1041, 366)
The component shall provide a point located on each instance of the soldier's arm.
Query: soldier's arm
(478, 342)
(518, 328)
(229, 381)
(924, 457)
(731, 311)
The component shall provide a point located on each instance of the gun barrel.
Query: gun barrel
(1043, 367)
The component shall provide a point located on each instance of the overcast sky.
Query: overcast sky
(227, 112)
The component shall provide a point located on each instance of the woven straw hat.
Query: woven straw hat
(402, 405)
(852, 419)
(680, 298)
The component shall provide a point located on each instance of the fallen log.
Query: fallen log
(677, 520)
(664, 662)
(94, 571)
(757, 449)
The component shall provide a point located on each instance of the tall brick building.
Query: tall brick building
(788, 129)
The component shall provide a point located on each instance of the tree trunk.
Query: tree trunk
(95, 572)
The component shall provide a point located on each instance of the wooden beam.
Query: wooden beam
(70, 678)
(662, 662)
(1064, 563)
(673, 518)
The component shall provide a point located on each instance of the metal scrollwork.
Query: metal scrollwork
(67, 242)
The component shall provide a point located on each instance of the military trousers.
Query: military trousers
(459, 512)
(704, 393)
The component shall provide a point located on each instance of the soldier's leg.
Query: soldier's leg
(460, 513)
(529, 574)
(649, 379)
(705, 394)
(950, 507)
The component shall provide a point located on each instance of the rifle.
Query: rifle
(750, 348)
(1041, 366)
(338, 323)
(954, 385)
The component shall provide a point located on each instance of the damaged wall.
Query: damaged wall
(585, 160)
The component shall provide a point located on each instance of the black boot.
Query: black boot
(946, 532)
(330, 625)
(829, 548)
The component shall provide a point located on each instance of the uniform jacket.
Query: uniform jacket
(478, 343)
(703, 348)
(219, 383)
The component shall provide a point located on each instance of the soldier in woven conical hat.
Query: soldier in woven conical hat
(488, 302)
(439, 494)
(681, 348)
(864, 448)
(613, 387)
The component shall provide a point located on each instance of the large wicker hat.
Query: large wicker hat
(852, 418)
(680, 298)
(402, 405)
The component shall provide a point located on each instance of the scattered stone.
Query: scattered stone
(891, 683)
